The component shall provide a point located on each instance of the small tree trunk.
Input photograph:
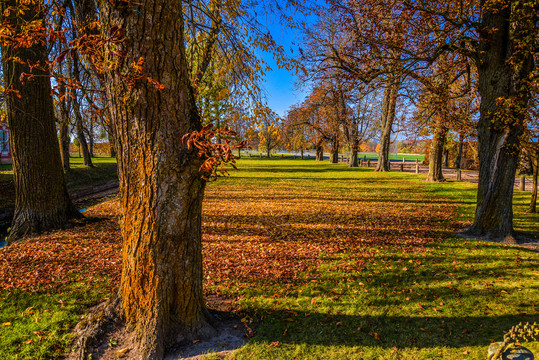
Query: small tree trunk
(91, 140)
(79, 127)
(64, 145)
(436, 152)
(112, 141)
(319, 153)
(333, 157)
(533, 202)
(83, 145)
(63, 126)
(334, 153)
(301, 154)
(352, 162)
(41, 199)
(388, 116)
(458, 161)
(522, 182)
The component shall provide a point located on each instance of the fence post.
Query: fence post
(459, 175)
(522, 182)
(368, 163)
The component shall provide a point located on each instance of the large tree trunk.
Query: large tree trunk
(389, 105)
(437, 151)
(160, 185)
(41, 202)
(504, 66)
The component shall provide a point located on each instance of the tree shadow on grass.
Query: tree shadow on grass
(385, 331)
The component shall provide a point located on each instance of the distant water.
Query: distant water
(3, 243)
(82, 210)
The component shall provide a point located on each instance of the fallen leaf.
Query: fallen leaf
(122, 353)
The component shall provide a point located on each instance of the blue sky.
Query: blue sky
(279, 88)
(280, 83)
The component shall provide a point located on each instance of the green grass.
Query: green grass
(444, 299)
(105, 169)
(384, 277)
(36, 325)
(79, 177)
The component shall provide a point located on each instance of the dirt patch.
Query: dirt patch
(520, 240)
(231, 332)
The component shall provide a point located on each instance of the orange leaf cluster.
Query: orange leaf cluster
(216, 155)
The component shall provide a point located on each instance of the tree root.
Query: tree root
(28, 223)
(105, 323)
(101, 320)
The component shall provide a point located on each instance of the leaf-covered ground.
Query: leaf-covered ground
(328, 263)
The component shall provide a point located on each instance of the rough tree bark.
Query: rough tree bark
(160, 185)
(42, 202)
(437, 151)
(63, 126)
(389, 105)
(334, 153)
(503, 67)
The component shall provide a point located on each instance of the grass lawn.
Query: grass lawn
(80, 177)
(325, 262)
